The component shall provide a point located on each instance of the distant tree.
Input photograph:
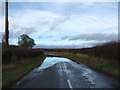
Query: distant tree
(25, 41)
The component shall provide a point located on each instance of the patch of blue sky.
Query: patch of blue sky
(52, 6)
(16, 6)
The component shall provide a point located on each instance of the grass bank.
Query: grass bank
(16, 69)
(109, 67)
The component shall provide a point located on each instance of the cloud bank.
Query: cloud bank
(65, 22)
(96, 36)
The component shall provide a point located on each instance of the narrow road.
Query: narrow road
(63, 73)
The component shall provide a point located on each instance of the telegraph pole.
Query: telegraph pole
(6, 25)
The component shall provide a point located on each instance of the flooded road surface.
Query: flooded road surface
(51, 54)
(57, 72)
(50, 61)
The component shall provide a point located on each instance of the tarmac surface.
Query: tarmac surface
(57, 72)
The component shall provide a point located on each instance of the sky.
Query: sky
(63, 24)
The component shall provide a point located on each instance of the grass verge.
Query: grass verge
(15, 70)
(109, 67)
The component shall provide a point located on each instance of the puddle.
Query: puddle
(49, 61)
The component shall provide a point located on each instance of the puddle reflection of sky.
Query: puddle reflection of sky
(49, 61)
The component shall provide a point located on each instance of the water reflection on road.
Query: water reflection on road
(49, 61)
(58, 72)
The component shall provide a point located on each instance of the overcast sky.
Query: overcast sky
(76, 24)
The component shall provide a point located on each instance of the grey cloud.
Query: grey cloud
(29, 30)
(45, 22)
(40, 37)
(67, 12)
(57, 23)
(13, 34)
(45, 37)
(55, 40)
(70, 8)
(64, 37)
(49, 36)
(96, 36)
(16, 31)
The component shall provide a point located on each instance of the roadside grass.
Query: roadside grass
(18, 68)
(109, 67)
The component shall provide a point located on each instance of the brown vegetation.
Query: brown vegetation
(108, 51)
(17, 62)
(16, 53)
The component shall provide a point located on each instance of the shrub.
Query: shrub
(15, 52)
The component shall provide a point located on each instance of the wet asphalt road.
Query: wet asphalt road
(65, 74)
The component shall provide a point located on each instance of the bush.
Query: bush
(15, 52)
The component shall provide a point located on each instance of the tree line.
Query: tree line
(108, 50)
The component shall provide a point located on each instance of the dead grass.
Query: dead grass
(25, 61)
(17, 69)
(82, 55)
(8, 67)
(107, 66)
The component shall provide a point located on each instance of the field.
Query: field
(107, 66)
(17, 62)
